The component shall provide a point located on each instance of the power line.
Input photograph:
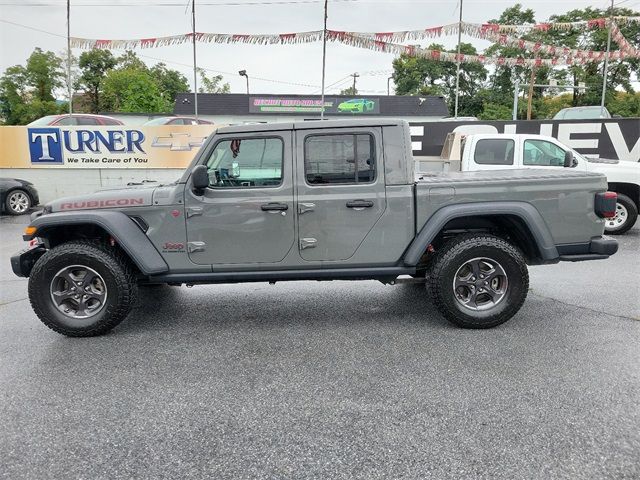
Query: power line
(205, 4)
(271, 80)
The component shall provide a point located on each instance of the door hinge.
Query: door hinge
(306, 207)
(308, 243)
(193, 247)
(193, 211)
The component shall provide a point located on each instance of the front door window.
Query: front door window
(246, 163)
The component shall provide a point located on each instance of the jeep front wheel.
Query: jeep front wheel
(478, 281)
(82, 289)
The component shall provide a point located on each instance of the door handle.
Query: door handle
(359, 204)
(274, 207)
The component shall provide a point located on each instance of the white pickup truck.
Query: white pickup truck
(501, 151)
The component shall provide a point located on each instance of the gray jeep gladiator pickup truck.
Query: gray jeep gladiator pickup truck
(332, 200)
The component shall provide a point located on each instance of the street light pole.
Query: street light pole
(455, 113)
(388, 89)
(606, 61)
(195, 73)
(69, 86)
(243, 73)
(354, 75)
(324, 57)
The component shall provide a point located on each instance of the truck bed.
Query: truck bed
(563, 198)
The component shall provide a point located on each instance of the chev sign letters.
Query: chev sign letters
(613, 139)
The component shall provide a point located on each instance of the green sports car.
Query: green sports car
(359, 105)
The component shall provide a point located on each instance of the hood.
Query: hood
(620, 172)
(133, 196)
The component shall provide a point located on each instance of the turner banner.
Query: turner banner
(169, 146)
(615, 139)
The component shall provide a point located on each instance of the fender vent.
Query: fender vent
(141, 223)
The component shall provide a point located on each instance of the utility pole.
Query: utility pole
(455, 111)
(195, 68)
(69, 86)
(606, 61)
(530, 99)
(324, 58)
(516, 93)
(354, 75)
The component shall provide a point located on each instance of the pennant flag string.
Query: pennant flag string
(411, 50)
(388, 42)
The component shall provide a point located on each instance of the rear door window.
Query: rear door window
(339, 159)
(494, 151)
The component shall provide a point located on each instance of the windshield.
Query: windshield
(43, 121)
(157, 121)
(583, 113)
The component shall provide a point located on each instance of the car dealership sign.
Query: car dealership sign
(332, 105)
(169, 146)
(614, 138)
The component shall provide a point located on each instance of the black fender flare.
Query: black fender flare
(525, 211)
(124, 230)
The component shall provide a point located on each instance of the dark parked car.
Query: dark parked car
(17, 196)
(75, 119)
(177, 121)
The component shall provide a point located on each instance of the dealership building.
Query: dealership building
(234, 108)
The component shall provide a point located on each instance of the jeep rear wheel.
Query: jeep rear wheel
(82, 289)
(478, 281)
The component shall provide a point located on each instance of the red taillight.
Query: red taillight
(605, 205)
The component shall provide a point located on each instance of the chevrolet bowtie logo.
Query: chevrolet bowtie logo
(178, 142)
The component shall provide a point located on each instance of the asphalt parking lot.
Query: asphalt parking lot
(328, 380)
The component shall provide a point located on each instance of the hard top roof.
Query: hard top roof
(312, 124)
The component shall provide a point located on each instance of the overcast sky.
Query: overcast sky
(284, 69)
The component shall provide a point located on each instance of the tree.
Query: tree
(12, 90)
(426, 76)
(133, 90)
(171, 82)
(129, 60)
(27, 92)
(212, 84)
(349, 91)
(94, 66)
(44, 74)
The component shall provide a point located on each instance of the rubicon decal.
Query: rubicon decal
(109, 203)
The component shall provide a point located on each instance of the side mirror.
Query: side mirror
(569, 161)
(200, 178)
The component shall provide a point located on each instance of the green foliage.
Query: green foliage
(424, 76)
(495, 111)
(349, 91)
(94, 66)
(27, 92)
(133, 90)
(212, 84)
(488, 94)
(171, 82)
(625, 104)
(129, 61)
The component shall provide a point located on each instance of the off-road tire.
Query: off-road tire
(109, 262)
(464, 248)
(631, 216)
(25, 205)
